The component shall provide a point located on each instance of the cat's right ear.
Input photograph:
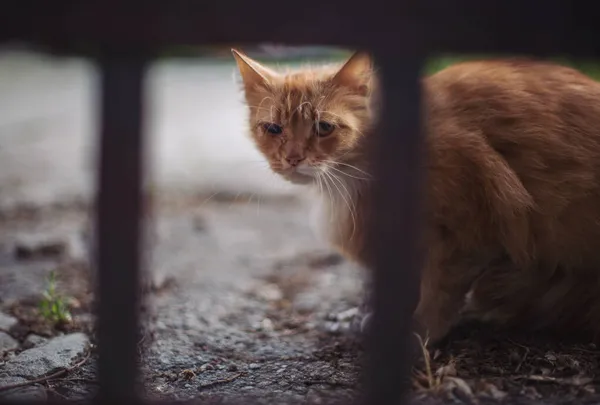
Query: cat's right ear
(253, 73)
(356, 72)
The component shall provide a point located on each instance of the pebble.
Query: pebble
(7, 322)
(347, 315)
(33, 340)
(254, 366)
(58, 353)
(34, 246)
(306, 302)
(31, 393)
(7, 342)
(270, 292)
(267, 325)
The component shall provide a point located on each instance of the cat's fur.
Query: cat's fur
(513, 181)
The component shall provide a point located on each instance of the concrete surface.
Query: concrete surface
(195, 125)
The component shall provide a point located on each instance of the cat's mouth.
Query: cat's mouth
(300, 174)
(296, 177)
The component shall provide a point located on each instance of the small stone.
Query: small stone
(306, 302)
(267, 325)
(333, 328)
(254, 366)
(206, 367)
(59, 353)
(33, 393)
(232, 367)
(270, 292)
(348, 314)
(7, 322)
(36, 246)
(7, 342)
(33, 340)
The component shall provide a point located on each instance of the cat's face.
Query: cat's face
(308, 122)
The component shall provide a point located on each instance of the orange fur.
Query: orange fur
(513, 181)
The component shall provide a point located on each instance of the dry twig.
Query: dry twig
(46, 378)
(221, 381)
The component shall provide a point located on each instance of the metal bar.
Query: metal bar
(119, 206)
(394, 228)
(468, 26)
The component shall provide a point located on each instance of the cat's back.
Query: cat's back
(536, 115)
(511, 88)
(525, 130)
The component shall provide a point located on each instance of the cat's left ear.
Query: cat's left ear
(253, 73)
(356, 72)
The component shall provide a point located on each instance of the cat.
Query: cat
(512, 194)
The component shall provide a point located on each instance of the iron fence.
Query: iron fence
(122, 37)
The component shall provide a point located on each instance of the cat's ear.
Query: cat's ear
(356, 72)
(253, 73)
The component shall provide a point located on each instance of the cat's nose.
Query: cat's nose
(294, 160)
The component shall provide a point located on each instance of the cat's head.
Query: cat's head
(312, 120)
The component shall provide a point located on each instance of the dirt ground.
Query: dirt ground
(252, 306)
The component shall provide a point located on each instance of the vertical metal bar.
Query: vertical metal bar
(394, 228)
(119, 206)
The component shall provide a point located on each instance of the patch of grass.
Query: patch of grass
(54, 307)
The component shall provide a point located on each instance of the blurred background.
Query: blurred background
(195, 123)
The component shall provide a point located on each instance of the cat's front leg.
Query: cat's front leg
(446, 279)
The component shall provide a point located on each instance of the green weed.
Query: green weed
(54, 307)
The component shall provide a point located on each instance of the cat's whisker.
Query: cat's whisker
(266, 98)
(254, 107)
(210, 197)
(348, 165)
(350, 202)
(330, 167)
(335, 181)
(330, 195)
(302, 104)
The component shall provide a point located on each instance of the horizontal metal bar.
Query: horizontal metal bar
(509, 26)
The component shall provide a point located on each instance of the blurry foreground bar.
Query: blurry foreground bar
(119, 209)
(394, 228)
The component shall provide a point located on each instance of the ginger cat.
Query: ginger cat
(512, 201)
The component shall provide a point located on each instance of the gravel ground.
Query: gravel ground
(250, 306)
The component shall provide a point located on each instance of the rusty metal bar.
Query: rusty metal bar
(394, 228)
(469, 26)
(119, 206)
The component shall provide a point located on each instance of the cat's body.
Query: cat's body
(512, 199)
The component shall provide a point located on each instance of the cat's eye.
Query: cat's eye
(273, 129)
(324, 128)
